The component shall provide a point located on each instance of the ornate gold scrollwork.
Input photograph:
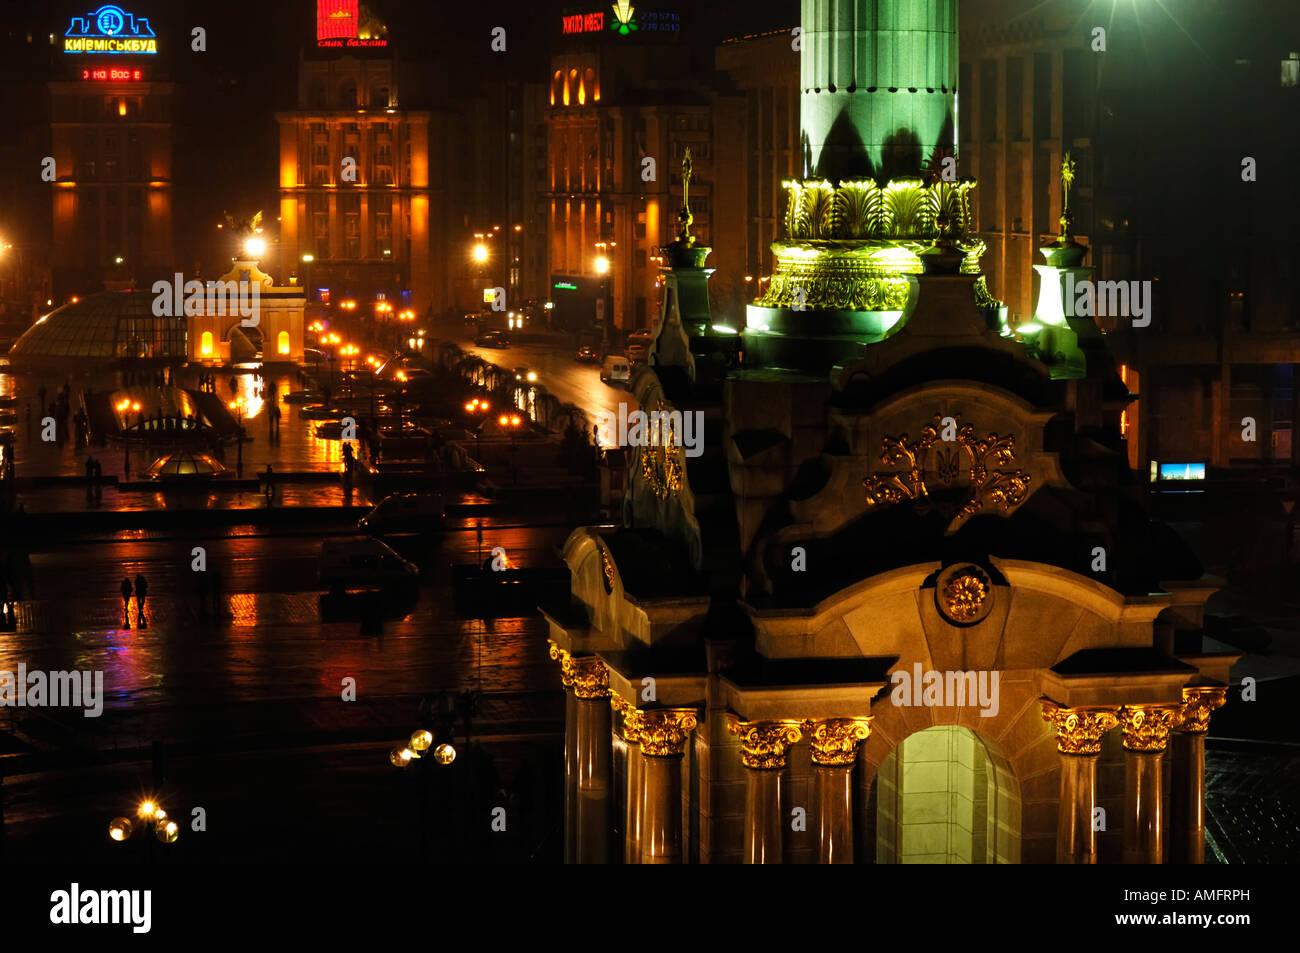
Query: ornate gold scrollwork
(835, 741)
(1198, 703)
(661, 461)
(632, 720)
(997, 489)
(1147, 727)
(763, 744)
(663, 731)
(607, 567)
(563, 657)
(1079, 730)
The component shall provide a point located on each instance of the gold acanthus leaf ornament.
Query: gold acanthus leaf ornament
(1198, 703)
(1079, 730)
(1146, 727)
(763, 744)
(836, 741)
(663, 731)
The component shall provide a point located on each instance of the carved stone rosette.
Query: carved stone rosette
(1198, 703)
(1079, 730)
(563, 657)
(663, 731)
(763, 744)
(1146, 727)
(588, 676)
(835, 741)
(632, 720)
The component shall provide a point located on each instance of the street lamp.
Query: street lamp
(511, 423)
(237, 405)
(254, 247)
(149, 816)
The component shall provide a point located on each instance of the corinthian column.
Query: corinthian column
(570, 755)
(835, 744)
(663, 733)
(1078, 739)
(634, 782)
(1146, 733)
(590, 680)
(763, 745)
(1187, 799)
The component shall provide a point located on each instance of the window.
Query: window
(205, 344)
(282, 342)
(1291, 71)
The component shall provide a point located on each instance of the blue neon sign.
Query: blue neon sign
(110, 29)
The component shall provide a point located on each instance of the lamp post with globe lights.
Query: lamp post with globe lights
(149, 818)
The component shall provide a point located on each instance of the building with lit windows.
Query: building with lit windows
(354, 180)
(623, 107)
(111, 141)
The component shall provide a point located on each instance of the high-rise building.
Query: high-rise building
(111, 146)
(354, 169)
(624, 104)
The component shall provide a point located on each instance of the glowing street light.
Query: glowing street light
(254, 246)
(602, 265)
(480, 253)
(149, 816)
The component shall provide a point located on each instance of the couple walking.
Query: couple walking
(141, 593)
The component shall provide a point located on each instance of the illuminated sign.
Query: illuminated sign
(626, 19)
(489, 295)
(1182, 471)
(338, 25)
(565, 286)
(110, 29)
(112, 75)
(623, 21)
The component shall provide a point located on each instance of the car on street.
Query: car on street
(616, 370)
(638, 346)
(525, 376)
(364, 563)
(405, 513)
(587, 355)
(493, 338)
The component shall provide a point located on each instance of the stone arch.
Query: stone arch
(946, 794)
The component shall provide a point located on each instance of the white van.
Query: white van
(616, 370)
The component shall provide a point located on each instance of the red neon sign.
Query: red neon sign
(336, 19)
(584, 23)
(112, 75)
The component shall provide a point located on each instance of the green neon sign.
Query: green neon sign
(565, 286)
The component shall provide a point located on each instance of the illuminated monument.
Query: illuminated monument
(905, 607)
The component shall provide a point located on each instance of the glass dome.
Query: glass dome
(103, 327)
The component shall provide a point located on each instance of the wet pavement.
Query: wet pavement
(257, 698)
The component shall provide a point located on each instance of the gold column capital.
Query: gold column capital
(663, 731)
(1146, 727)
(763, 744)
(1079, 730)
(835, 741)
(1198, 703)
(588, 675)
(631, 718)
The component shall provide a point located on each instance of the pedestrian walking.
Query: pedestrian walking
(126, 602)
(141, 593)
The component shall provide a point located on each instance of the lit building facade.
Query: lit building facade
(622, 109)
(891, 602)
(354, 182)
(111, 141)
